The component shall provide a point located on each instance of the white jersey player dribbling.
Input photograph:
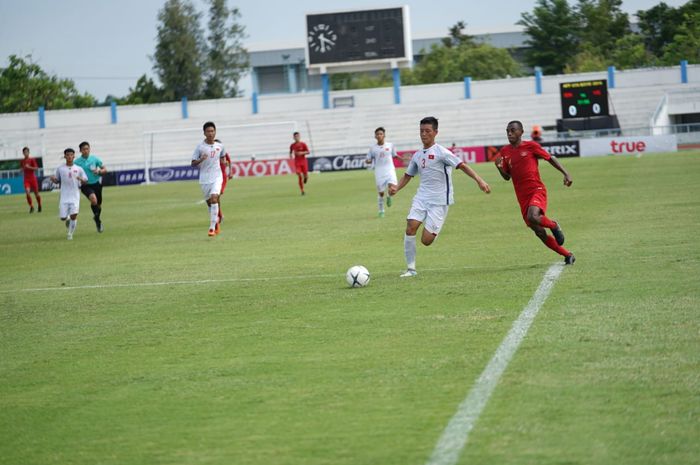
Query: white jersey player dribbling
(382, 155)
(207, 157)
(70, 177)
(434, 163)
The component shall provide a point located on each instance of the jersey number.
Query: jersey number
(422, 163)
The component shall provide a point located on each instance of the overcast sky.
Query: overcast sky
(104, 46)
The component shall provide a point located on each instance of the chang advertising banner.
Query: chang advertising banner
(338, 163)
(629, 145)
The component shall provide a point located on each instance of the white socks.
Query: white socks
(213, 215)
(72, 225)
(409, 249)
(380, 202)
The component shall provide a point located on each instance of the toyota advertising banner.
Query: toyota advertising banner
(629, 145)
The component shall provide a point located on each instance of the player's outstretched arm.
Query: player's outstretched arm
(198, 161)
(402, 183)
(472, 174)
(555, 163)
(499, 164)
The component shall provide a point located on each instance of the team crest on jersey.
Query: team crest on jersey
(523, 154)
(431, 157)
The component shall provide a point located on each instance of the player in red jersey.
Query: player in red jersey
(519, 162)
(31, 184)
(224, 163)
(301, 165)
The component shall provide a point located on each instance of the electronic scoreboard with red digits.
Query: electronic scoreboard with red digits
(584, 99)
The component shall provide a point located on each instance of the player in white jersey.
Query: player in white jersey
(382, 154)
(434, 164)
(70, 177)
(207, 157)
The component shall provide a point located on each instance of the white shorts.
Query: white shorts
(384, 180)
(212, 188)
(432, 216)
(67, 209)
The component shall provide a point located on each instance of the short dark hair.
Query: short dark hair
(69, 150)
(296, 133)
(430, 120)
(208, 124)
(83, 144)
(380, 129)
(515, 121)
(25, 149)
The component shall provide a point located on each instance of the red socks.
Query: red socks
(547, 223)
(301, 183)
(29, 200)
(552, 244)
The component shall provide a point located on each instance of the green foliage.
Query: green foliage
(369, 80)
(629, 52)
(659, 24)
(686, 42)
(588, 59)
(145, 91)
(227, 59)
(24, 86)
(602, 23)
(450, 64)
(179, 57)
(553, 30)
(457, 37)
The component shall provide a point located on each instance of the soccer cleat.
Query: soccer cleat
(388, 201)
(100, 227)
(303, 193)
(381, 215)
(569, 260)
(31, 209)
(558, 234)
(212, 233)
(39, 209)
(409, 273)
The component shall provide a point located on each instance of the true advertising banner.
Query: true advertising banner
(636, 145)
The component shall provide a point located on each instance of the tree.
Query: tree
(629, 52)
(179, 56)
(145, 91)
(450, 64)
(686, 42)
(601, 24)
(588, 59)
(24, 86)
(227, 59)
(553, 30)
(457, 37)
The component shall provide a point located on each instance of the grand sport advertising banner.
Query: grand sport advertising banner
(630, 145)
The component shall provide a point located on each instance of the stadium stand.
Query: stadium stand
(479, 120)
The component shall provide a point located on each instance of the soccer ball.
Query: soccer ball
(357, 276)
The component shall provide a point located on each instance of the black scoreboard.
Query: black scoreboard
(584, 99)
(356, 36)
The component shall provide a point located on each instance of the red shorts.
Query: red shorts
(538, 199)
(301, 166)
(31, 184)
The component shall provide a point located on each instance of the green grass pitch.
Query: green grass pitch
(249, 348)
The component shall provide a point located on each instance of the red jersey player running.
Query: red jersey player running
(518, 161)
(225, 164)
(301, 165)
(31, 184)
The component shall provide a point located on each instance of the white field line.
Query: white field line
(455, 435)
(340, 275)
